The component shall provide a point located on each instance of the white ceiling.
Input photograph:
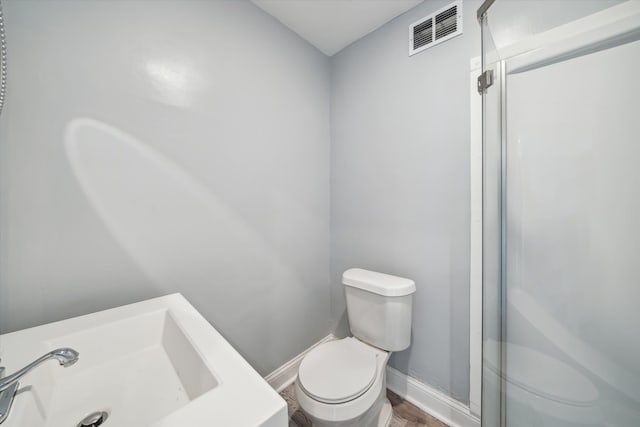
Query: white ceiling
(331, 25)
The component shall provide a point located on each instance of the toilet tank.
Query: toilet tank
(379, 307)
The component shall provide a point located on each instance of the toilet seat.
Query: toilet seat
(338, 371)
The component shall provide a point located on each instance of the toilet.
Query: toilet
(343, 382)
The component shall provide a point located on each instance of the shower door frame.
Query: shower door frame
(597, 31)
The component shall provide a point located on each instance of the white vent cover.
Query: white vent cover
(436, 28)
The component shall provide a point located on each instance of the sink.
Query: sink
(156, 363)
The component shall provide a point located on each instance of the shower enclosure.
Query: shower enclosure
(561, 232)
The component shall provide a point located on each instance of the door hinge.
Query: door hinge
(485, 80)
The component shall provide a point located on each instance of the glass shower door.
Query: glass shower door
(561, 249)
(572, 241)
(489, 86)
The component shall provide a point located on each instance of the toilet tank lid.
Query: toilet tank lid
(378, 283)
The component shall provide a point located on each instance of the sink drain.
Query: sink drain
(94, 419)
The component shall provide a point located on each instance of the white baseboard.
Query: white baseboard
(430, 400)
(286, 374)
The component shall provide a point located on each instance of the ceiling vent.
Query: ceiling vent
(436, 28)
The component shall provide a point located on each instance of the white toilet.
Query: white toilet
(343, 383)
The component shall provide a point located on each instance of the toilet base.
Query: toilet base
(378, 415)
(384, 419)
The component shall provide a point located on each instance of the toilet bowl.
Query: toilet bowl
(342, 383)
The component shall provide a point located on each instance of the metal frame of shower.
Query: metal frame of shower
(482, 10)
(484, 81)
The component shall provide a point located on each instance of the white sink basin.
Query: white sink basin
(155, 363)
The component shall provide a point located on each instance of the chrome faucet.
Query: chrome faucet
(9, 384)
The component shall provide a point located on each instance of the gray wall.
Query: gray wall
(400, 185)
(236, 104)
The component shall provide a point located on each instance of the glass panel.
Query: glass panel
(515, 20)
(491, 225)
(572, 353)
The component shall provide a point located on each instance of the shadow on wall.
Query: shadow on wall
(169, 223)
